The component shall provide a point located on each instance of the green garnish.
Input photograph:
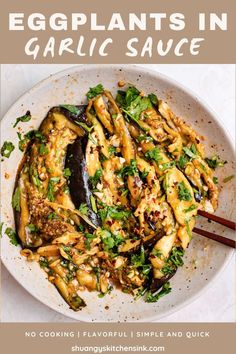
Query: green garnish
(43, 150)
(67, 172)
(95, 179)
(156, 253)
(32, 228)
(94, 91)
(50, 191)
(12, 236)
(112, 150)
(154, 154)
(227, 179)
(85, 126)
(52, 216)
(110, 240)
(215, 180)
(144, 138)
(167, 165)
(174, 261)
(43, 262)
(93, 204)
(88, 238)
(25, 118)
(183, 192)
(183, 160)
(191, 152)
(83, 209)
(215, 162)
(16, 199)
(191, 208)
(153, 98)
(7, 149)
(166, 289)
(113, 212)
(71, 108)
(138, 260)
(130, 170)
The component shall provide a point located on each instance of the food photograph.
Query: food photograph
(117, 193)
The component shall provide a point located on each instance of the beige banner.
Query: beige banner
(216, 47)
(113, 338)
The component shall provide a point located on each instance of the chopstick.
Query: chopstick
(215, 237)
(230, 224)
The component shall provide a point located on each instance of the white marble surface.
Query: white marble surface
(214, 83)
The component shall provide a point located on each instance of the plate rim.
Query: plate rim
(189, 92)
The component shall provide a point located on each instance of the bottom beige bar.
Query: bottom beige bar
(46, 338)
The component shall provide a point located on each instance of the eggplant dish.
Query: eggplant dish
(109, 193)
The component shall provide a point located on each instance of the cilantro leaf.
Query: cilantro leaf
(166, 289)
(153, 154)
(71, 108)
(130, 170)
(94, 91)
(183, 192)
(16, 199)
(7, 149)
(12, 236)
(50, 191)
(25, 118)
(153, 98)
(191, 152)
(215, 162)
(83, 209)
(67, 172)
(95, 179)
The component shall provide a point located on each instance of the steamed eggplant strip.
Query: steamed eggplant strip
(109, 194)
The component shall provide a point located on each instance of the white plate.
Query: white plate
(204, 258)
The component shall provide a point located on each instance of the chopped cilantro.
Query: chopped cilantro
(50, 191)
(182, 161)
(183, 192)
(112, 150)
(153, 98)
(110, 240)
(167, 165)
(94, 91)
(16, 199)
(191, 208)
(7, 149)
(93, 204)
(83, 209)
(32, 228)
(191, 152)
(43, 150)
(12, 236)
(166, 289)
(67, 172)
(95, 179)
(43, 262)
(71, 108)
(215, 180)
(113, 212)
(85, 126)
(25, 118)
(130, 170)
(52, 216)
(154, 154)
(215, 162)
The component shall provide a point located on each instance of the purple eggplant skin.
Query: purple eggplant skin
(157, 284)
(79, 180)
